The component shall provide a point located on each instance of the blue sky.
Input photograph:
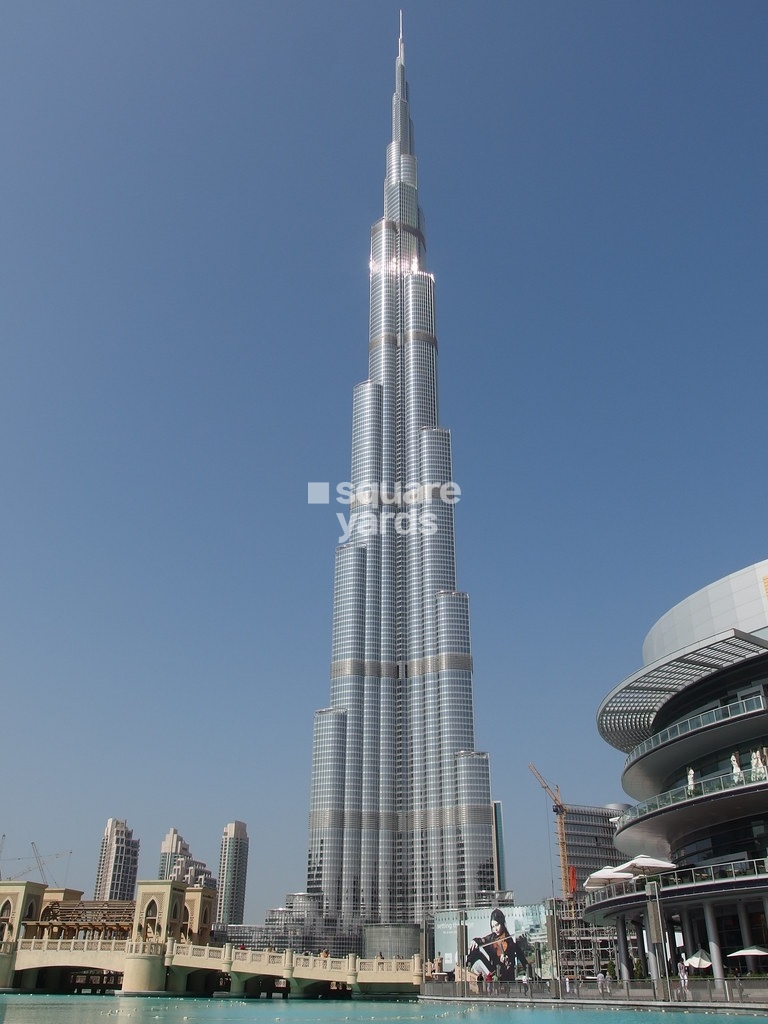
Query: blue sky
(188, 190)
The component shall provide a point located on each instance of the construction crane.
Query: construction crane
(567, 874)
(2, 844)
(40, 862)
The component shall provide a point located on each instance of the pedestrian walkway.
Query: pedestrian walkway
(733, 995)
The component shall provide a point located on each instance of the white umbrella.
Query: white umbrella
(751, 951)
(642, 864)
(605, 876)
(699, 959)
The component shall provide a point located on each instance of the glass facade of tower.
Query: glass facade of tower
(401, 817)
(233, 872)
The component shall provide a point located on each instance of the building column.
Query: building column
(714, 942)
(624, 966)
(655, 969)
(641, 946)
(144, 970)
(689, 942)
(237, 984)
(746, 933)
(7, 962)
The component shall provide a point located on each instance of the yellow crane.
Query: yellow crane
(567, 875)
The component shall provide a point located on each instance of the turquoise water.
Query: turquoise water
(148, 1010)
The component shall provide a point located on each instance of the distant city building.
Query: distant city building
(401, 820)
(193, 872)
(118, 863)
(178, 864)
(172, 846)
(500, 871)
(233, 869)
(589, 834)
(693, 724)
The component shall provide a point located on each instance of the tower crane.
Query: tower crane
(40, 862)
(567, 874)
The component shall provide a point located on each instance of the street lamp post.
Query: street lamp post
(658, 939)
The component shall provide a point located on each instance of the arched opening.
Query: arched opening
(172, 928)
(204, 934)
(149, 929)
(185, 925)
(6, 928)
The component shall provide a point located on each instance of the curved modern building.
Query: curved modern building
(694, 726)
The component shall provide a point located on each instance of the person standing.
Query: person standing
(682, 973)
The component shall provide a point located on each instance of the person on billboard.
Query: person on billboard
(496, 953)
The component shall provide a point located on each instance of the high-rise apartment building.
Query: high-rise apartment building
(172, 847)
(401, 818)
(118, 863)
(178, 864)
(233, 869)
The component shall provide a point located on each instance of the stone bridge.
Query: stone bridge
(161, 942)
(179, 968)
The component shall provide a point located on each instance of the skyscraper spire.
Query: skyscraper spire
(400, 811)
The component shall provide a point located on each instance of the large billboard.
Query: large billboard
(489, 940)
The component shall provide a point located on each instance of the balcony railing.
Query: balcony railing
(706, 787)
(696, 722)
(706, 874)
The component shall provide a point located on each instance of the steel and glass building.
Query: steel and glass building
(401, 818)
(233, 872)
(589, 835)
(693, 723)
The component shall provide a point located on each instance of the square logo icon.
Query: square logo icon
(318, 494)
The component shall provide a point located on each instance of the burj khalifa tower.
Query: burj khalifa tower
(401, 819)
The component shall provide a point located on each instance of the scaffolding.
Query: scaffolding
(581, 948)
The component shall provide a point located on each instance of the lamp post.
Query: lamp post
(461, 952)
(554, 942)
(656, 930)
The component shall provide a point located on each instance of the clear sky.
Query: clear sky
(187, 194)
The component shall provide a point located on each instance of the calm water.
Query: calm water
(132, 1010)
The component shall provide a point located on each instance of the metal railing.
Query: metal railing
(682, 794)
(752, 990)
(738, 870)
(696, 722)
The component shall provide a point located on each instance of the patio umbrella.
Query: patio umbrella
(642, 864)
(751, 951)
(605, 876)
(698, 959)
